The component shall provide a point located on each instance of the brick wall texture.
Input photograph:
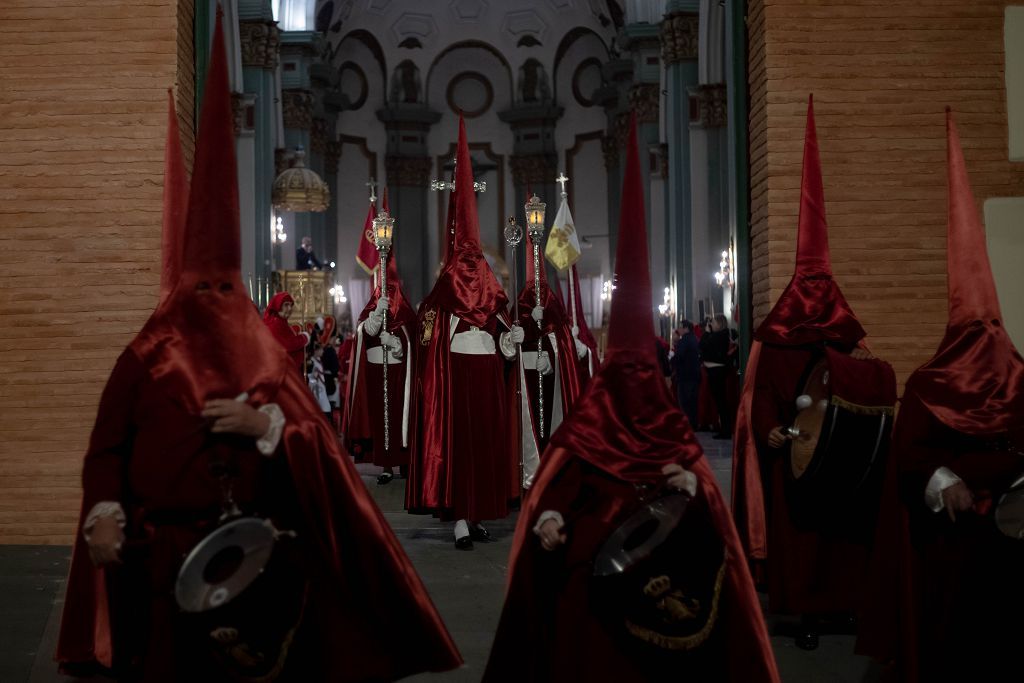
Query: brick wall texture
(882, 73)
(82, 126)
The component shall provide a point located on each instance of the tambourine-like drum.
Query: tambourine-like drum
(838, 447)
(1009, 512)
(242, 593)
(657, 582)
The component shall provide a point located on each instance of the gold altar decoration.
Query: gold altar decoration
(311, 290)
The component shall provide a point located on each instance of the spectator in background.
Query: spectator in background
(714, 351)
(316, 380)
(686, 371)
(276, 318)
(305, 259)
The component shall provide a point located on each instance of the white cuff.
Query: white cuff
(545, 516)
(581, 349)
(508, 347)
(267, 443)
(691, 483)
(106, 508)
(941, 480)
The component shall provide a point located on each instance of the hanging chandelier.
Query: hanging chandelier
(299, 188)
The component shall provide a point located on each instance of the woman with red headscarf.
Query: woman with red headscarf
(276, 318)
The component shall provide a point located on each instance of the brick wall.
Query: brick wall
(882, 73)
(82, 124)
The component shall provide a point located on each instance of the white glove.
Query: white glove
(537, 313)
(382, 305)
(391, 342)
(581, 349)
(544, 363)
(517, 335)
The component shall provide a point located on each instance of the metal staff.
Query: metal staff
(535, 223)
(513, 236)
(383, 233)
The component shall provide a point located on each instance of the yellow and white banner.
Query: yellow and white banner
(563, 248)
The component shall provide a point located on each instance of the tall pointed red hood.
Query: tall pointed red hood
(975, 381)
(192, 343)
(626, 423)
(812, 308)
(175, 204)
(466, 286)
(400, 312)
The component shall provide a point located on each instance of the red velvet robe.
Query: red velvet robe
(548, 631)
(461, 464)
(371, 618)
(368, 402)
(945, 601)
(568, 377)
(808, 572)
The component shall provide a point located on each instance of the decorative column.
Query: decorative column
(534, 159)
(643, 45)
(710, 192)
(260, 44)
(614, 98)
(409, 169)
(297, 106)
(679, 31)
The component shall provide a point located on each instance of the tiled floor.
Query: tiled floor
(466, 586)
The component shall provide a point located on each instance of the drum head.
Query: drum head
(639, 535)
(810, 420)
(224, 564)
(1010, 511)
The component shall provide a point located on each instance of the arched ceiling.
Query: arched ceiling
(422, 32)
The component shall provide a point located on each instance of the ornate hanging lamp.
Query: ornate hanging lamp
(299, 188)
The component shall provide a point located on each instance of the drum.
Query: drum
(657, 581)
(838, 448)
(1009, 513)
(242, 593)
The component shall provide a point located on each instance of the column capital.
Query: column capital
(332, 155)
(679, 37)
(297, 105)
(533, 169)
(712, 105)
(320, 135)
(260, 41)
(645, 98)
(610, 151)
(242, 112)
(407, 171)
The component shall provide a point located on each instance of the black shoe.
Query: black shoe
(480, 534)
(385, 478)
(807, 639)
(464, 543)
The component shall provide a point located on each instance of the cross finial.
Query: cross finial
(373, 189)
(562, 180)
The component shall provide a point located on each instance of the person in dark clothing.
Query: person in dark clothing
(686, 371)
(714, 352)
(661, 347)
(305, 259)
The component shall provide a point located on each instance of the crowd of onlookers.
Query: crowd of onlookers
(702, 364)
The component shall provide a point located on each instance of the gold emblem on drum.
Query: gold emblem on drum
(675, 608)
(428, 327)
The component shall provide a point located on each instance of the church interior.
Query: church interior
(338, 104)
